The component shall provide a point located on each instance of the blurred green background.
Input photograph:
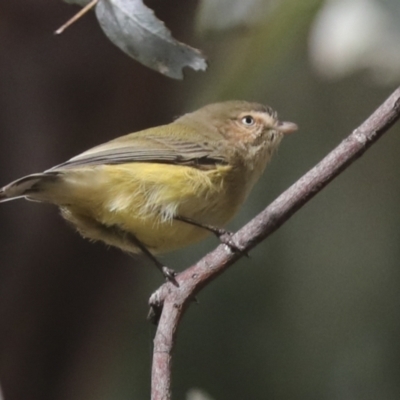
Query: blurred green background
(312, 314)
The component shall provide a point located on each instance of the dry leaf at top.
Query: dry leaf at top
(134, 28)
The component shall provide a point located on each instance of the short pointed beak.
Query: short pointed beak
(287, 127)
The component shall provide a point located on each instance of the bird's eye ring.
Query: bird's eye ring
(248, 120)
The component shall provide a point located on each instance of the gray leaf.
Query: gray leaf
(134, 28)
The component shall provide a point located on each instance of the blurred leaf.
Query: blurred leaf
(357, 35)
(134, 28)
(228, 14)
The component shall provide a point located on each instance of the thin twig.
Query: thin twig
(169, 302)
(75, 18)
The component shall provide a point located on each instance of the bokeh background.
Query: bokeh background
(312, 314)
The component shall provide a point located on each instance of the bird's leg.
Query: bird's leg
(219, 232)
(90, 227)
(115, 230)
(222, 234)
(169, 274)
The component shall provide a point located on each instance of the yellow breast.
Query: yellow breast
(143, 198)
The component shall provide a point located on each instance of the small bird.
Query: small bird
(162, 188)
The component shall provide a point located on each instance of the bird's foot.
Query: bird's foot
(225, 237)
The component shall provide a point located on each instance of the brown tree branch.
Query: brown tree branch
(169, 302)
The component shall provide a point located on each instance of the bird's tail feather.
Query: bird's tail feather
(28, 185)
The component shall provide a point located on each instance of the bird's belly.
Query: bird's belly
(142, 199)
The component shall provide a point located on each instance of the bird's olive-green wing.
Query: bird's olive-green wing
(165, 144)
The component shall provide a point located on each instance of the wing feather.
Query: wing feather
(153, 145)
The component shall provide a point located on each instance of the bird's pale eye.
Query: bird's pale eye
(248, 120)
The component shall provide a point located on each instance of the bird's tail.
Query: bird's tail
(26, 186)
